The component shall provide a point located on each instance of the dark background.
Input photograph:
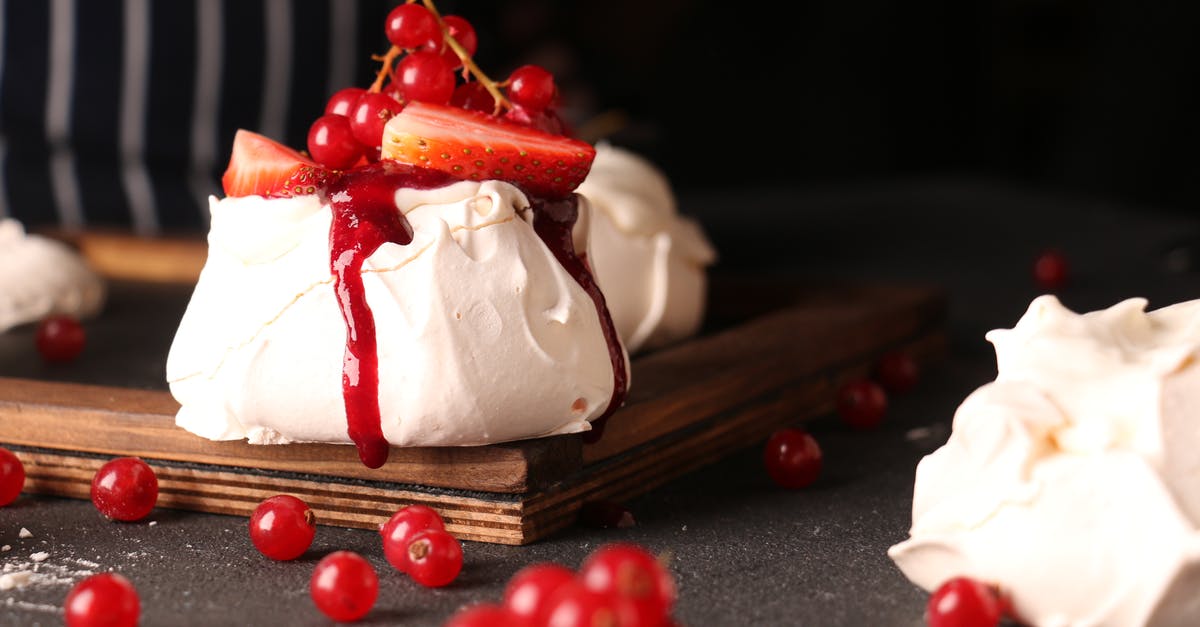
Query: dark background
(1096, 97)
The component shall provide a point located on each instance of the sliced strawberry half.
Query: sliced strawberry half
(472, 145)
(261, 166)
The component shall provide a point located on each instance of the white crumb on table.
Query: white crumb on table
(24, 533)
(8, 581)
(40, 556)
(6, 548)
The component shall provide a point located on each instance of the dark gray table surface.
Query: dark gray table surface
(743, 551)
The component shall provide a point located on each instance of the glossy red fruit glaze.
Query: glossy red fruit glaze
(370, 114)
(410, 26)
(897, 372)
(104, 600)
(424, 76)
(125, 488)
(332, 144)
(862, 403)
(399, 530)
(574, 605)
(484, 615)
(344, 586)
(632, 573)
(282, 527)
(464, 33)
(434, 558)
(793, 458)
(12, 477)
(965, 602)
(532, 87)
(474, 96)
(342, 101)
(60, 338)
(528, 591)
(1050, 270)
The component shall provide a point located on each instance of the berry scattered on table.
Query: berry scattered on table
(1051, 271)
(104, 600)
(400, 529)
(619, 584)
(526, 593)
(897, 372)
(861, 403)
(434, 558)
(125, 488)
(282, 527)
(344, 586)
(12, 476)
(965, 602)
(634, 575)
(793, 458)
(60, 338)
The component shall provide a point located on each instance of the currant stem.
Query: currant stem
(386, 70)
(468, 63)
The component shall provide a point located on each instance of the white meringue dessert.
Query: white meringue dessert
(483, 337)
(40, 276)
(651, 261)
(1072, 482)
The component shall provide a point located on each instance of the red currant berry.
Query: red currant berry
(342, 102)
(370, 115)
(793, 458)
(964, 602)
(344, 586)
(483, 615)
(898, 372)
(472, 95)
(532, 87)
(125, 488)
(332, 144)
(282, 527)
(399, 530)
(574, 605)
(434, 558)
(862, 403)
(631, 572)
(12, 476)
(464, 33)
(528, 591)
(104, 600)
(1050, 270)
(424, 76)
(547, 121)
(60, 338)
(412, 25)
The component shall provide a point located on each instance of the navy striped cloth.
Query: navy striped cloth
(121, 113)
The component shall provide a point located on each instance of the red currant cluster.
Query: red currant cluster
(428, 50)
(617, 584)
(344, 586)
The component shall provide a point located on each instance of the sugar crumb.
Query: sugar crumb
(40, 556)
(25, 533)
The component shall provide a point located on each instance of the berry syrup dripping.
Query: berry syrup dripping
(553, 221)
(364, 218)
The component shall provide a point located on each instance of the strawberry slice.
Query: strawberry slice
(477, 146)
(261, 166)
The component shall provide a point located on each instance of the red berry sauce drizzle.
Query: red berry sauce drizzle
(553, 221)
(364, 218)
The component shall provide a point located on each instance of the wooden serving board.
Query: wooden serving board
(772, 355)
